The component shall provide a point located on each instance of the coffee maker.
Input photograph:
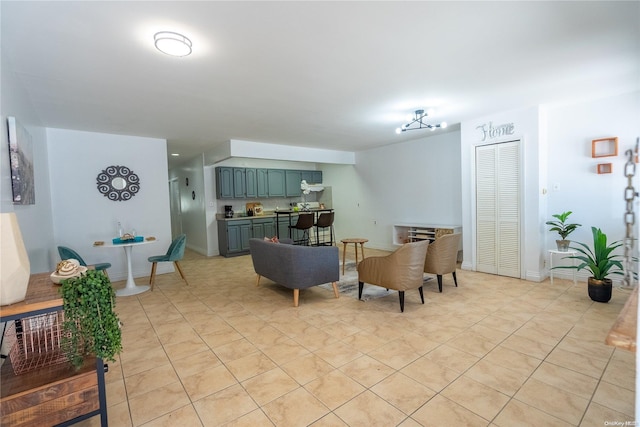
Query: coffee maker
(228, 211)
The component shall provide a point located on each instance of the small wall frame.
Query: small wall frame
(605, 168)
(604, 147)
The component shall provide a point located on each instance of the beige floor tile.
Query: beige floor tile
(157, 402)
(364, 341)
(269, 385)
(513, 360)
(516, 413)
(554, 401)
(452, 358)
(430, 374)
(252, 419)
(597, 415)
(403, 392)
(396, 354)
(298, 408)
(441, 411)
(587, 365)
(185, 348)
(116, 392)
(369, 410)
(149, 380)
(195, 363)
(497, 377)
(334, 389)
(307, 368)
(338, 354)
(185, 416)
(527, 346)
(117, 415)
(620, 373)
(478, 398)
(235, 350)
(208, 381)
(136, 361)
(224, 406)
(367, 370)
(250, 366)
(472, 343)
(615, 397)
(329, 420)
(566, 379)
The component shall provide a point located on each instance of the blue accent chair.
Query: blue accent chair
(68, 253)
(174, 254)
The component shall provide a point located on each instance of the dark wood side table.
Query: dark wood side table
(53, 395)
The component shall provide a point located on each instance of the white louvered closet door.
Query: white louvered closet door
(498, 209)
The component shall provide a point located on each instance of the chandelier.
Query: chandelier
(418, 123)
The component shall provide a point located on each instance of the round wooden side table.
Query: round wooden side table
(355, 241)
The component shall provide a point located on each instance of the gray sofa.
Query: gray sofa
(295, 267)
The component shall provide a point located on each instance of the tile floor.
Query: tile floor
(493, 352)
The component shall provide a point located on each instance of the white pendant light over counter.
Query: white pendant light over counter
(172, 43)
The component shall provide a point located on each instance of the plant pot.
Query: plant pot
(600, 290)
(563, 245)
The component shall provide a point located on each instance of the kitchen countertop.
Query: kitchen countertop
(268, 214)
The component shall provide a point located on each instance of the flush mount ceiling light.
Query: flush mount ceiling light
(173, 44)
(418, 123)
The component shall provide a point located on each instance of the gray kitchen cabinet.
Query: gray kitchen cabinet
(312, 177)
(292, 179)
(233, 237)
(264, 227)
(276, 182)
(224, 183)
(239, 183)
(262, 182)
(251, 183)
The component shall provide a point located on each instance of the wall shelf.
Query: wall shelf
(605, 168)
(604, 147)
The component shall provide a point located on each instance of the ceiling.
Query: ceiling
(333, 75)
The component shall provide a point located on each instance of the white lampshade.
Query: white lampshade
(14, 262)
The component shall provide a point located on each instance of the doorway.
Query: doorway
(498, 208)
(176, 209)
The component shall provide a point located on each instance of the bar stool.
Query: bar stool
(325, 220)
(305, 222)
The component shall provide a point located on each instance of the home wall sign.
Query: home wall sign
(118, 183)
(490, 132)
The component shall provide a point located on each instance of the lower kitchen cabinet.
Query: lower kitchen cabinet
(234, 235)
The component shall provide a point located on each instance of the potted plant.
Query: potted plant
(91, 327)
(600, 262)
(563, 229)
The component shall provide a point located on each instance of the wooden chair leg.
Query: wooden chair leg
(296, 297)
(181, 273)
(455, 280)
(421, 294)
(153, 274)
(257, 280)
(401, 296)
(335, 289)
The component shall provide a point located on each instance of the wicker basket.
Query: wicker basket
(35, 342)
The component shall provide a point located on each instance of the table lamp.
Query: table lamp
(14, 262)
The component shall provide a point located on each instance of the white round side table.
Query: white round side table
(553, 252)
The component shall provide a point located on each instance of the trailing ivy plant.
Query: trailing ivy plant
(91, 327)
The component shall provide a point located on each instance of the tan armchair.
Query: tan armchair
(442, 257)
(401, 270)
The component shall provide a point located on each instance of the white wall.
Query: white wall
(35, 221)
(82, 215)
(415, 181)
(526, 128)
(596, 200)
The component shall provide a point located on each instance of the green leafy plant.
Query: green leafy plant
(561, 226)
(600, 261)
(91, 327)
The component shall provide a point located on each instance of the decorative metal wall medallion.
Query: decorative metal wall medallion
(118, 183)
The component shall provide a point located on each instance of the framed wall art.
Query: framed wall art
(21, 160)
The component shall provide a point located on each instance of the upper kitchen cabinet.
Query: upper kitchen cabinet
(262, 182)
(251, 183)
(312, 177)
(224, 183)
(239, 183)
(293, 178)
(276, 180)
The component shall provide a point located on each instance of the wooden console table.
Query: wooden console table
(54, 395)
(623, 331)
